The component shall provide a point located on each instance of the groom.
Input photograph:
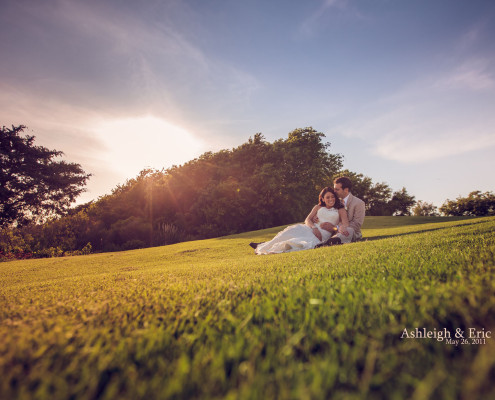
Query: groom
(355, 212)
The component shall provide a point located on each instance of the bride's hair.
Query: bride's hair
(337, 204)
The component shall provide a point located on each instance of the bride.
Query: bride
(308, 235)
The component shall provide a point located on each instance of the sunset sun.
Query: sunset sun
(132, 144)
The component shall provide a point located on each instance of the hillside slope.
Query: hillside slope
(210, 319)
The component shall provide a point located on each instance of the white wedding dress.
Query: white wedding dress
(300, 236)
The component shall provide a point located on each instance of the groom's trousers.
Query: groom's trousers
(349, 238)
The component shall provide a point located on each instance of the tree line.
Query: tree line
(256, 185)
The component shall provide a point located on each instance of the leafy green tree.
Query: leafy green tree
(253, 186)
(475, 204)
(304, 166)
(401, 203)
(376, 196)
(361, 185)
(424, 209)
(33, 186)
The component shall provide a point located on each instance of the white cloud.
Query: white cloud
(469, 38)
(472, 74)
(311, 23)
(123, 58)
(410, 146)
(430, 119)
(99, 63)
(419, 133)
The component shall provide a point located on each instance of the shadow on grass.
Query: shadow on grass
(366, 239)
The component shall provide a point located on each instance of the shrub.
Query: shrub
(134, 244)
(168, 234)
(48, 252)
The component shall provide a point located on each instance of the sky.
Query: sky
(404, 90)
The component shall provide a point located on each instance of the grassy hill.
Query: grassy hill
(209, 319)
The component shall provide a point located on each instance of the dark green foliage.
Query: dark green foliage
(254, 186)
(401, 203)
(425, 209)
(475, 204)
(33, 186)
(378, 197)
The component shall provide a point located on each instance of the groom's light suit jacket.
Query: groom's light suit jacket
(355, 212)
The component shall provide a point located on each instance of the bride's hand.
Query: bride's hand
(317, 233)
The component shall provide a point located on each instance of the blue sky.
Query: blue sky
(405, 90)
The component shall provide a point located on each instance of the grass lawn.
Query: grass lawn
(209, 319)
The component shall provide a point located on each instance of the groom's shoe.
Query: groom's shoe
(330, 242)
(254, 245)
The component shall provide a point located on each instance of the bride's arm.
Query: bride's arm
(309, 219)
(309, 222)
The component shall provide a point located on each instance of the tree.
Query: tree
(305, 167)
(401, 203)
(32, 185)
(375, 195)
(256, 185)
(476, 204)
(378, 197)
(424, 209)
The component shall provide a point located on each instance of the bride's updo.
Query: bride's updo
(338, 204)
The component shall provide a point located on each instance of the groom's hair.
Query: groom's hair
(345, 182)
(338, 203)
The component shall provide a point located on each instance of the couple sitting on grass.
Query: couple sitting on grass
(336, 219)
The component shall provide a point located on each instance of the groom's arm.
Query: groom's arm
(328, 227)
(358, 216)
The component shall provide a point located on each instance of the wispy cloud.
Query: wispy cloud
(412, 146)
(472, 74)
(122, 59)
(310, 24)
(444, 113)
(427, 121)
(82, 65)
(469, 37)
(110, 58)
(480, 31)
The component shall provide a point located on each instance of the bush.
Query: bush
(17, 254)
(129, 230)
(88, 249)
(110, 247)
(168, 234)
(134, 244)
(48, 252)
(476, 204)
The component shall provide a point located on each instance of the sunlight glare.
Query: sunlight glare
(133, 144)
